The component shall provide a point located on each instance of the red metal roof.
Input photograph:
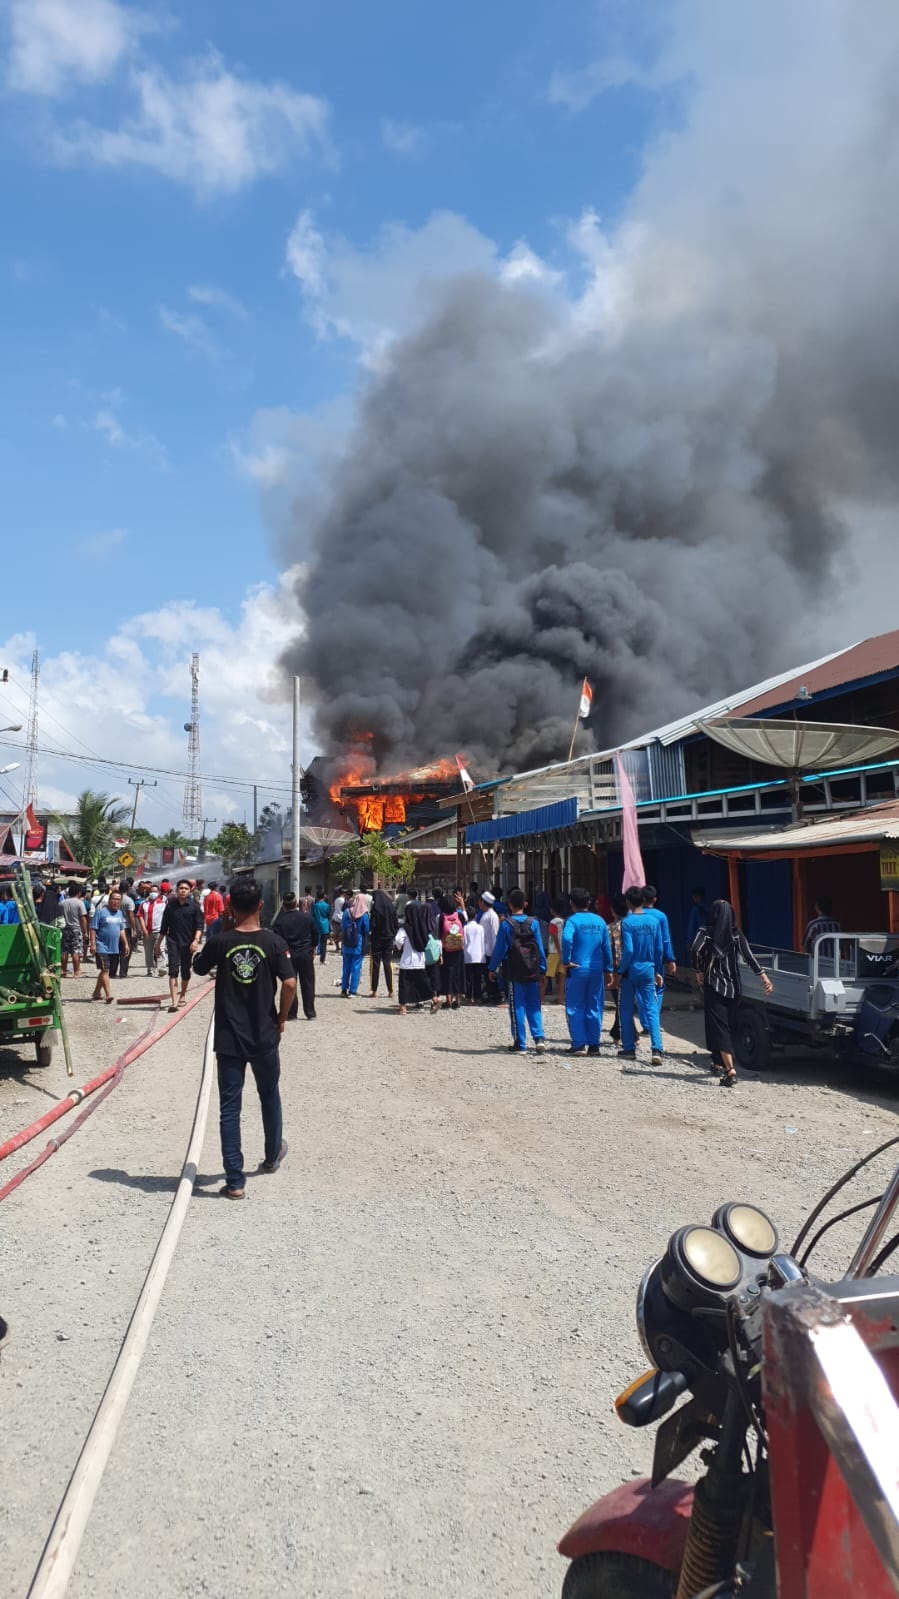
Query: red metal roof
(868, 659)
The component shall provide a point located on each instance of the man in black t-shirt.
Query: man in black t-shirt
(182, 929)
(249, 963)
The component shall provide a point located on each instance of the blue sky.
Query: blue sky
(154, 163)
(218, 218)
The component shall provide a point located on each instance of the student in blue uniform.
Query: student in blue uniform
(651, 908)
(519, 944)
(640, 974)
(354, 928)
(587, 957)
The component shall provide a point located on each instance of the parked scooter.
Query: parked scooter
(699, 1320)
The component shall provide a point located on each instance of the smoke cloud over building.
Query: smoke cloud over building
(649, 477)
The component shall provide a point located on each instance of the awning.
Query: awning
(860, 830)
(545, 819)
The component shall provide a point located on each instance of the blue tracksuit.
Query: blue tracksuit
(524, 998)
(667, 946)
(642, 958)
(321, 916)
(352, 958)
(587, 952)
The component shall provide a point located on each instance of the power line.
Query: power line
(143, 766)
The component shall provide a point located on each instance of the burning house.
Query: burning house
(377, 804)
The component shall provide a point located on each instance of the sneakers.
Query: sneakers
(232, 1193)
(627, 1054)
(593, 1049)
(540, 1045)
(656, 1058)
(272, 1165)
(578, 1049)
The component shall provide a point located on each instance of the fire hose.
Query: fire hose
(107, 1081)
(61, 1549)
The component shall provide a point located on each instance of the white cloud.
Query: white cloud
(401, 138)
(371, 296)
(57, 42)
(112, 430)
(97, 546)
(192, 330)
(61, 422)
(142, 670)
(217, 299)
(209, 129)
(577, 90)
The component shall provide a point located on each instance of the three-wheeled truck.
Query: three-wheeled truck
(30, 1006)
(843, 997)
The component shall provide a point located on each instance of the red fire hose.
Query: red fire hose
(107, 1081)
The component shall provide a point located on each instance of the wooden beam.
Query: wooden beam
(893, 907)
(733, 888)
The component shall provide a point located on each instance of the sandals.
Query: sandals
(728, 1080)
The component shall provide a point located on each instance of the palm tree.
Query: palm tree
(90, 835)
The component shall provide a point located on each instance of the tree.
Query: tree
(372, 853)
(90, 835)
(348, 864)
(233, 843)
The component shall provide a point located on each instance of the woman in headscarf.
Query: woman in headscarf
(417, 923)
(412, 941)
(354, 926)
(717, 951)
(384, 924)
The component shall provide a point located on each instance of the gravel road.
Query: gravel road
(390, 1370)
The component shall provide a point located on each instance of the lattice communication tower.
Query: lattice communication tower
(29, 796)
(193, 797)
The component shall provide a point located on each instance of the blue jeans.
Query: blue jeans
(584, 996)
(231, 1072)
(524, 1010)
(639, 988)
(322, 947)
(352, 970)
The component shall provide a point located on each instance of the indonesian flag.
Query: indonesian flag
(65, 854)
(586, 704)
(467, 779)
(119, 843)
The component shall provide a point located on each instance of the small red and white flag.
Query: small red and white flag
(467, 779)
(586, 704)
(34, 825)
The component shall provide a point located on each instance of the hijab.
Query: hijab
(722, 927)
(358, 907)
(415, 921)
(383, 914)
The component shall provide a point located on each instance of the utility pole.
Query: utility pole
(29, 790)
(255, 809)
(201, 848)
(137, 783)
(295, 815)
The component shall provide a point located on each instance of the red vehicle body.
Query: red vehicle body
(816, 1516)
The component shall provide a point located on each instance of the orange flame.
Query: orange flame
(375, 811)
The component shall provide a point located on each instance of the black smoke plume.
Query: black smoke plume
(653, 484)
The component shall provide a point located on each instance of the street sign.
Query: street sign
(125, 859)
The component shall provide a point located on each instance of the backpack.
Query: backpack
(453, 938)
(524, 956)
(351, 934)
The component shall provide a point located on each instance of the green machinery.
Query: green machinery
(30, 999)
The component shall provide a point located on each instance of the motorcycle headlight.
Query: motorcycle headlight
(747, 1227)
(700, 1266)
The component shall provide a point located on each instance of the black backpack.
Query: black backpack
(524, 956)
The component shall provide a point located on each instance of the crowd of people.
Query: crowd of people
(486, 948)
(453, 949)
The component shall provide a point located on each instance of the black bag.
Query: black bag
(524, 956)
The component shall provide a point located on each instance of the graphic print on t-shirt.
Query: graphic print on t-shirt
(245, 960)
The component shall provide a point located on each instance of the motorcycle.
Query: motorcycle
(700, 1315)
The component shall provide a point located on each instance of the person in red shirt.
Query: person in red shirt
(213, 906)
